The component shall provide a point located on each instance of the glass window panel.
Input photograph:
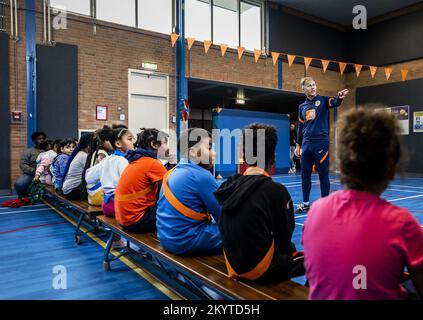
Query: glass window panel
(225, 22)
(198, 19)
(122, 11)
(155, 15)
(76, 6)
(250, 26)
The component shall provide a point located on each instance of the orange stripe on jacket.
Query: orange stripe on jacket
(324, 157)
(179, 206)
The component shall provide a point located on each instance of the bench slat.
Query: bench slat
(212, 270)
(78, 204)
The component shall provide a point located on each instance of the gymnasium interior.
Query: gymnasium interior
(70, 67)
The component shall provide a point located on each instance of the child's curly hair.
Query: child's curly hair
(369, 147)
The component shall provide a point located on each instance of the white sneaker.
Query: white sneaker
(119, 244)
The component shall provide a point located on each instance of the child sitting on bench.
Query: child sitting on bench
(369, 240)
(59, 163)
(44, 160)
(257, 219)
(136, 191)
(108, 171)
(187, 210)
(73, 189)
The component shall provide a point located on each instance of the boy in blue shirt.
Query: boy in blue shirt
(187, 210)
(313, 138)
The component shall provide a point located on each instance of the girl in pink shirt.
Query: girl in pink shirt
(356, 245)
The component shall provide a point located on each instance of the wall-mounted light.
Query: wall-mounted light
(240, 96)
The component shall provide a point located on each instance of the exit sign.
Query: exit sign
(149, 65)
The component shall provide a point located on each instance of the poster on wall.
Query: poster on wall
(101, 112)
(418, 121)
(402, 113)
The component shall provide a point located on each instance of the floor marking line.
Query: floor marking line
(32, 227)
(30, 206)
(23, 211)
(405, 198)
(158, 284)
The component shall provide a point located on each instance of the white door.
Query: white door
(148, 101)
(147, 112)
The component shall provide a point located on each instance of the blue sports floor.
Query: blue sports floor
(37, 238)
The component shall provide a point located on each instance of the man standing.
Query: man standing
(313, 138)
(293, 143)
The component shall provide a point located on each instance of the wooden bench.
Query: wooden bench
(82, 206)
(208, 270)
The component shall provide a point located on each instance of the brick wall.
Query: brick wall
(106, 55)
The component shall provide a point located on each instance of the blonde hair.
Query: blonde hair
(304, 81)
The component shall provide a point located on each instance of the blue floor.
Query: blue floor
(36, 238)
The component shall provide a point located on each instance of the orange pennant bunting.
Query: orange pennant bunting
(358, 68)
(388, 72)
(190, 42)
(275, 57)
(257, 54)
(404, 73)
(240, 52)
(342, 66)
(307, 62)
(325, 64)
(223, 48)
(174, 37)
(373, 71)
(291, 59)
(207, 44)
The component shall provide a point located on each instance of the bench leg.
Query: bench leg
(106, 260)
(77, 229)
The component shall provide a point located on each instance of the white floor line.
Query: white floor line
(13, 212)
(405, 198)
(389, 189)
(403, 186)
(301, 216)
(300, 224)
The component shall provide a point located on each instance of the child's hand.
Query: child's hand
(36, 178)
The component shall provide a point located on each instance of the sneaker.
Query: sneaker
(290, 171)
(302, 208)
(294, 170)
(119, 244)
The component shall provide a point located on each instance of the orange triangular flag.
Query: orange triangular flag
(373, 71)
(257, 54)
(275, 57)
(307, 62)
(291, 59)
(388, 72)
(240, 52)
(190, 42)
(223, 48)
(404, 73)
(174, 37)
(358, 68)
(325, 64)
(207, 44)
(342, 66)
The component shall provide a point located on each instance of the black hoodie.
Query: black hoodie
(255, 211)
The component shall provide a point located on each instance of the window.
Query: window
(225, 22)
(198, 19)
(155, 15)
(250, 26)
(122, 11)
(76, 6)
